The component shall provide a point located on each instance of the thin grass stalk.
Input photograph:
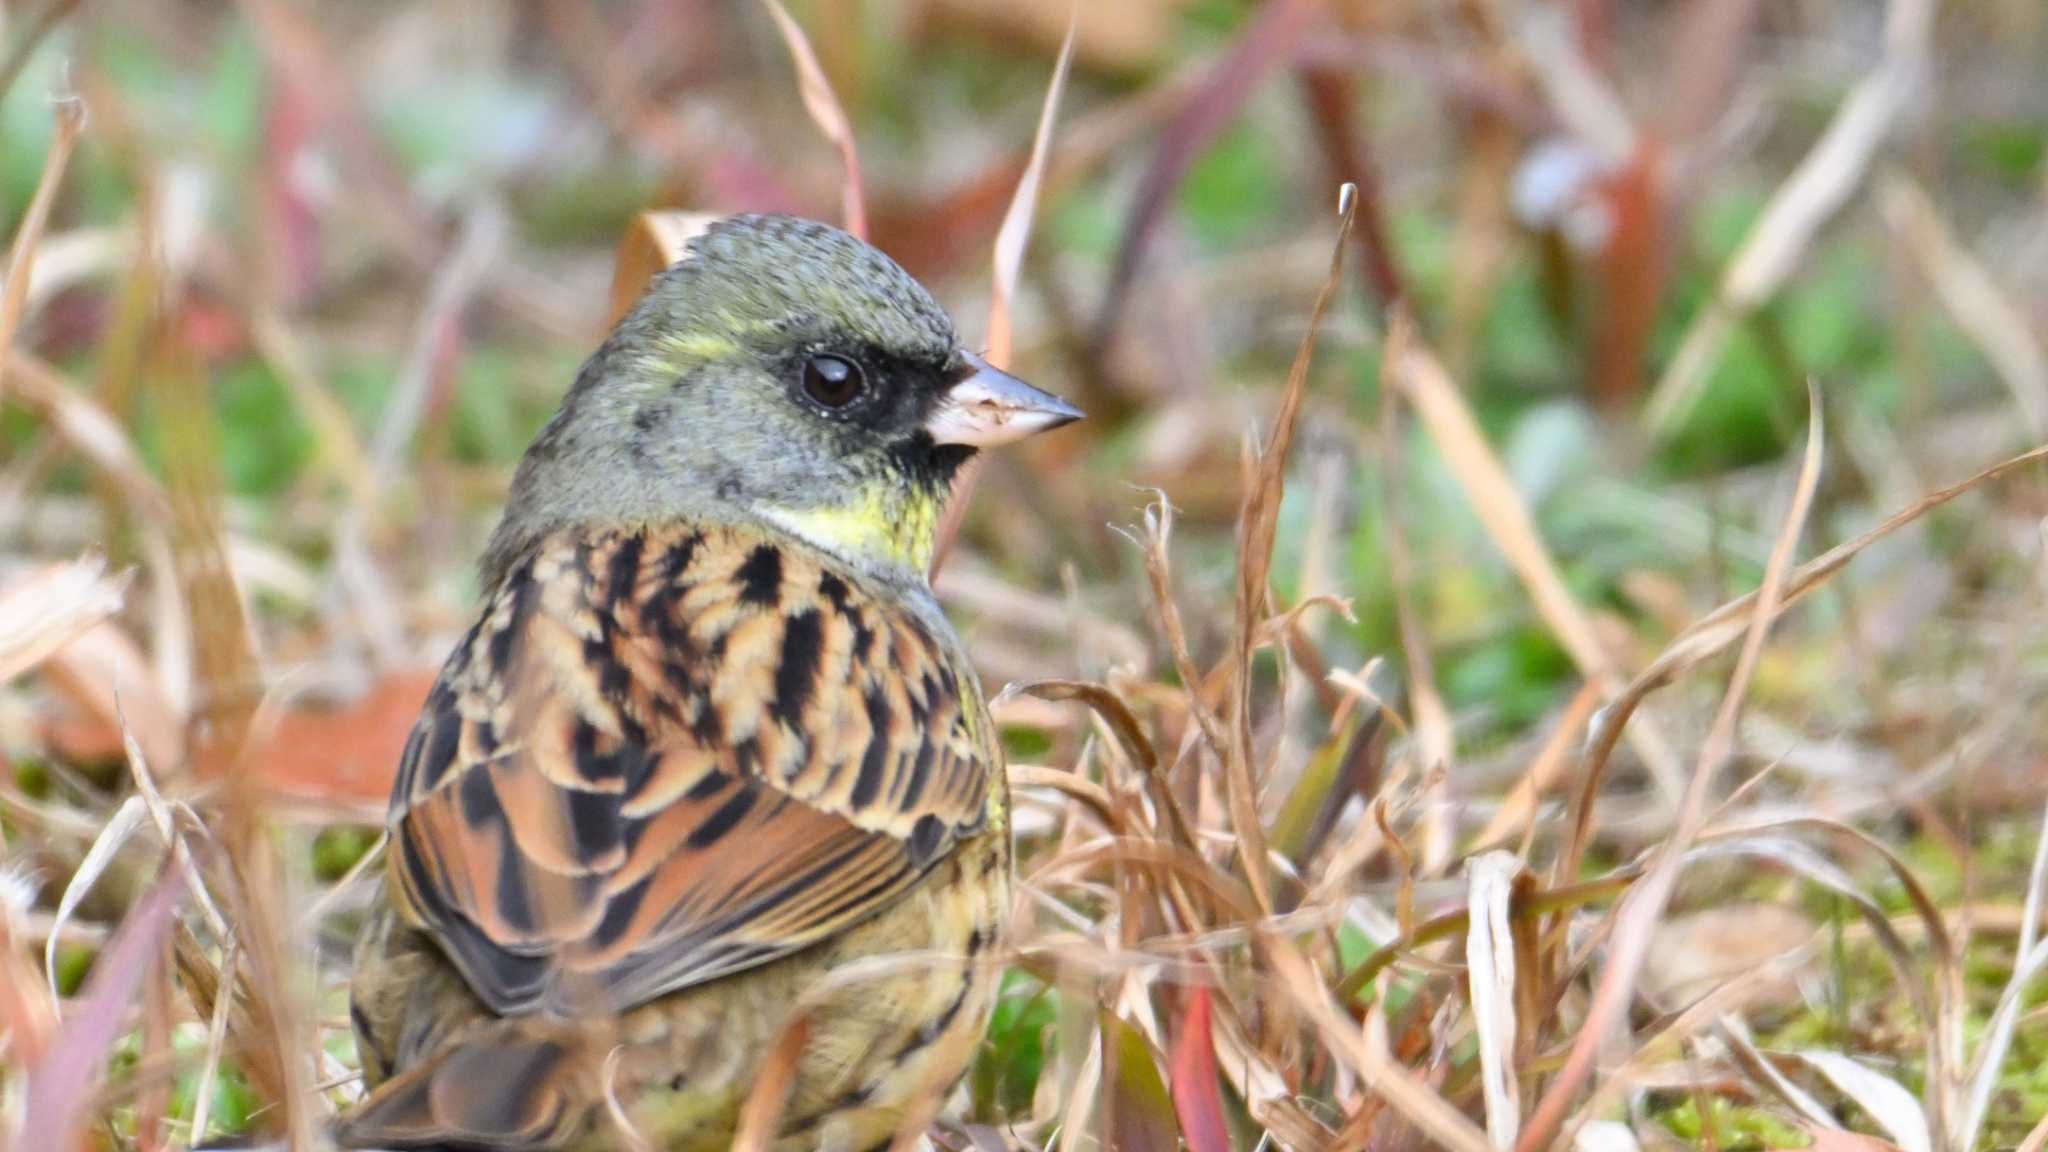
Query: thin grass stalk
(1258, 522)
(21, 259)
(823, 105)
(1008, 268)
(1713, 633)
(1432, 720)
(1645, 903)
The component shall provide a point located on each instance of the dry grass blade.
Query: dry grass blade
(228, 688)
(1714, 632)
(1257, 522)
(167, 816)
(1744, 1051)
(464, 274)
(37, 26)
(92, 432)
(1544, 771)
(1996, 1043)
(1443, 927)
(2037, 1139)
(1816, 190)
(60, 1085)
(98, 858)
(1973, 299)
(21, 259)
(1123, 723)
(340, 449)
(823, 105)
(47, 609)
(2037, 890)
(1886, 1101)
(1508, 521)
(1640, 910)
(1803, 861)
(1075, 787)
(762, 1113)
(1406, 1094)
(1940, 1001)
(1720, 741)
(216, 1047)
(1434, 739)
(1011, 240)
(1015, 233)
(1490, 967)
(1159, 575)
(1266, 42)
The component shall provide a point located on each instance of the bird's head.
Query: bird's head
(782, 372)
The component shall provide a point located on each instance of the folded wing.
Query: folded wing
(663, 757)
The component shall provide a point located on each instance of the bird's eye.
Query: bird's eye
(833, 381)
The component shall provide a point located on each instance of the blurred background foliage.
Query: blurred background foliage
(345, 257)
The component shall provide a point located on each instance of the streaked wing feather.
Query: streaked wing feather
(663, 757)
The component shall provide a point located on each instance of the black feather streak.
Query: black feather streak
(594, 819)
(920, 774)
(618, 915)
(479, 800)
(803, 643)
(875, 759)
(760, 576)
(623, 573)
(925, 838)
(722, 821)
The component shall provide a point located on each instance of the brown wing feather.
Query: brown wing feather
(663, 757)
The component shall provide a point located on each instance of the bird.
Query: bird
(711, 778)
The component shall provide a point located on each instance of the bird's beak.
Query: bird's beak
(990, 407)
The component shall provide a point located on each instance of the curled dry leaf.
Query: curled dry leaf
(653, 241)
